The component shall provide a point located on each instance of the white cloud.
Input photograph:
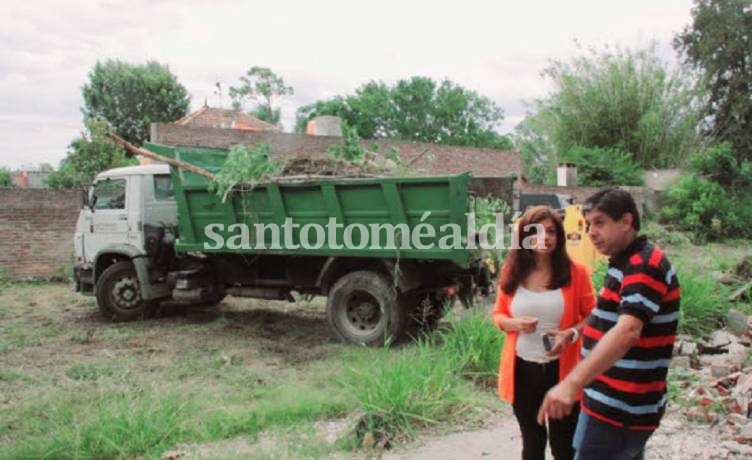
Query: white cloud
(324, 48)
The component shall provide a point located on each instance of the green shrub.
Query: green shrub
(704, 304)
(350, 148)
(407, 389)
(713, 200)
(601, 167)
(473, 343)
(245, 167)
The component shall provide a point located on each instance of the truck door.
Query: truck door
(108, 218)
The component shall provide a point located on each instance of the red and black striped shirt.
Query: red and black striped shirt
(640, 282)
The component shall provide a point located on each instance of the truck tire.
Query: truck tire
(364, 308)
(119, 293)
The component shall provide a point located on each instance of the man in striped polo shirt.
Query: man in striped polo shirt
(627, 340)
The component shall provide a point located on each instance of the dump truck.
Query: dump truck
(154, 233)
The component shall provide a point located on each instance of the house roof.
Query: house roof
(426, 159)
(211, 117)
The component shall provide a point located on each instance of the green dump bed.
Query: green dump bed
(390, 200)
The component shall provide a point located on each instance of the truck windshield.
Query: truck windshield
(109, 194)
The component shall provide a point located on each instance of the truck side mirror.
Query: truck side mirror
(84, 197)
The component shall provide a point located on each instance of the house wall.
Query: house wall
(37, 228)
(647, 200)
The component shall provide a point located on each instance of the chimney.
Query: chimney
(325, 125)
(566, 175)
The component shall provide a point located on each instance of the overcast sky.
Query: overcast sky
(322, 49)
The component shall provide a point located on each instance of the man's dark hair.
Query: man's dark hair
(614, 203)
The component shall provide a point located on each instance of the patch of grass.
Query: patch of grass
(139, 421)
(16, 335)
(116, 425)
(403, 390)
(704, 304)
(89, 371)
(11, 376)
(664, 237)
(473, 344)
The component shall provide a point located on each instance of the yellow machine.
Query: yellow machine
(579, 246)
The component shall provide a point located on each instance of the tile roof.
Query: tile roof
(211, 117)
(426, 159)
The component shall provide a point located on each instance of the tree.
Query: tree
(87, 156)
(599, 167)
(417, 109)
(621, 99)
(718, 44)
(262, 87)
(132, 96)
(6, 177)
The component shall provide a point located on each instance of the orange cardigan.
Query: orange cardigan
(579, 300)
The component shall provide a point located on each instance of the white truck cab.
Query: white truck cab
(112, 234)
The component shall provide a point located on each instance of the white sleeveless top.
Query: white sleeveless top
(547, 306)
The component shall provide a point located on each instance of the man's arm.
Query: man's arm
(609, 349)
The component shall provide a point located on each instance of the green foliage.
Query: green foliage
(713, 200)
(703, 304)
(350, 148)
(473, 343)
(245, 167)
(6, 177)
(426, 383)
(88, 371)
(663, 236)
(87, 156)
(620, 99)
(406, 389)
(262, 87)
(417, 109)
(717, 44)
(132, 96)
(601, 167)
(392, 153)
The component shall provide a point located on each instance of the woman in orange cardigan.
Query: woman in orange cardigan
(542, 293)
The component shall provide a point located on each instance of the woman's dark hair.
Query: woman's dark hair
(520, 262)
(614, 203)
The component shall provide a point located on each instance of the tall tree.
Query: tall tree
(132, 96)
(262, 87)
(87, 156)
(719, 44)
(416, 109)
(6, 177)
(618, 100)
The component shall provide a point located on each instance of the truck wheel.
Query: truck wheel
(363, 308)
(119, 293)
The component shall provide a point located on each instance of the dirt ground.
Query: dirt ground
(46, 331)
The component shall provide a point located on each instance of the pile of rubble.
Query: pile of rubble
(711, 385)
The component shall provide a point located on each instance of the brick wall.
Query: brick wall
(647, 200)
(37, 228)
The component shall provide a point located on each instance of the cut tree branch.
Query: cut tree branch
(133, 150)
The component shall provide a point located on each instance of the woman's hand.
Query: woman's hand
(561, 339)
(525, 324)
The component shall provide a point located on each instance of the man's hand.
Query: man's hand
(558, 402)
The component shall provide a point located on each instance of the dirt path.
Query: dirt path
(500, 440)
(677, 439)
